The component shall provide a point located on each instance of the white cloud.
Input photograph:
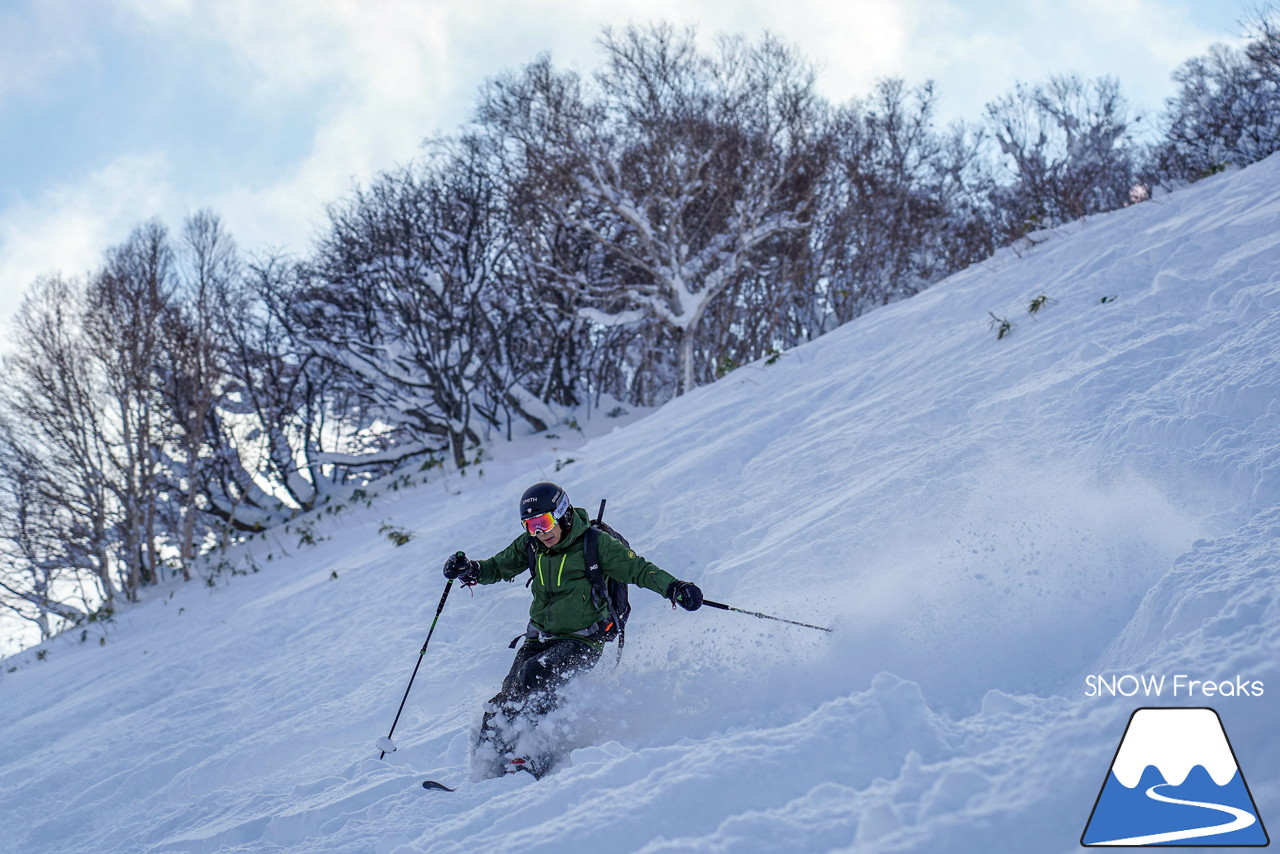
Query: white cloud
(372, 78)
(69, 226)
(398, 71)
(853, 43)
(1140, 42)
(380, 77)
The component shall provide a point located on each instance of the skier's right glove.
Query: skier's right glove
(685, 594)
(459, 567)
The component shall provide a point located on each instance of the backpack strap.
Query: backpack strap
(591, 557)
(599, 588)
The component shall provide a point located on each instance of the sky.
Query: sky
(116, 111)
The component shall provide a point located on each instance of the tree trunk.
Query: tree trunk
(684, 343)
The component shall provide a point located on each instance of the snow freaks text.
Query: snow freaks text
(1179, 686)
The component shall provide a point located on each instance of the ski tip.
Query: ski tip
(432, 784)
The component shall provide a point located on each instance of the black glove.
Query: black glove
(685, 594)
(459, 567)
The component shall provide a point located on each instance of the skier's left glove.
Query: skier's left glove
(685, 594)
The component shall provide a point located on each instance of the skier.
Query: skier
(568, 623)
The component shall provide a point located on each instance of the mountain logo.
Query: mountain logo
(1175, 781)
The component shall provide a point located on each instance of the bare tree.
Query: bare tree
(36, 582)
(192, 373)
(1227, 109)
(56, 462)
(900, 207)
(1264, 48)
(681, 167)
(407, 295)
(126, 305)
(279, 414)
(1067, 146)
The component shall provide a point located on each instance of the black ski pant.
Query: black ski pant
(531, 688)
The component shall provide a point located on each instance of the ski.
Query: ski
(513, 766)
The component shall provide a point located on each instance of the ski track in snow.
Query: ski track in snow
(982, 522)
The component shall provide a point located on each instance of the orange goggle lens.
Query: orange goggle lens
(540, 524)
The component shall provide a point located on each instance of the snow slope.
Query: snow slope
(984, 523)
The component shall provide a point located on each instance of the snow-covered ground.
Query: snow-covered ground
(985, 523)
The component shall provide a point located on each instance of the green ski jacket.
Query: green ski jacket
(561, 590)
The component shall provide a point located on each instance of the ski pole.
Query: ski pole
(386, 744)
(761, 616)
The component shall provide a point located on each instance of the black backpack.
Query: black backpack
(611, 591)
(614, 592)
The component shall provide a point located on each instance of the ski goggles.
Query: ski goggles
(540, 524)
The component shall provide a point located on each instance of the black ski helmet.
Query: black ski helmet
(542, 498)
